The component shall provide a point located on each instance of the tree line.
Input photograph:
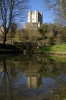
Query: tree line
(12, 11)
(53, 33)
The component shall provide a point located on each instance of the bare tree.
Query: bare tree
(58, 8)
(12, 11)
(13, 29)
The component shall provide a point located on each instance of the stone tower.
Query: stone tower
(35, 19)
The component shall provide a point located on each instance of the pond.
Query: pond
(32, 77)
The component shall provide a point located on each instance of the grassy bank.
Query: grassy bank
(53, 48)
(61, 59)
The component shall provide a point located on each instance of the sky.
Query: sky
(39, 5)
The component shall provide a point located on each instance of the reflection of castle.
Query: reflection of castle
(34, 80)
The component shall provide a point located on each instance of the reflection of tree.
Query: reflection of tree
(13, 71)
(60, 91)
(6, 81)
(33, 69)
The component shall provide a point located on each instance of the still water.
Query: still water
(31, 77)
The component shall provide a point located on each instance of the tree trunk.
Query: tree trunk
(4, 38)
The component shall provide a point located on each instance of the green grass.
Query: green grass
(54, 48)
(58, 58)
(55, 58)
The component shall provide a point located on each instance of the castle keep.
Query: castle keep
(35, 19)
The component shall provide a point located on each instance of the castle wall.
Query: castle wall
(30, 16)
(34, 19)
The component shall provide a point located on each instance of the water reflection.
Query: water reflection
(26, 77)
(5, 82)
(34, 79)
